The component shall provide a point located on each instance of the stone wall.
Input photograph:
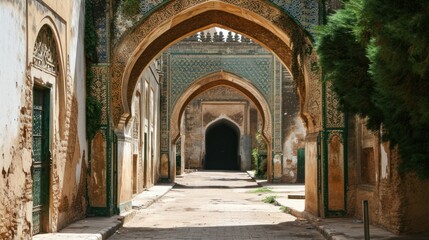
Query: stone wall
(397, 201)
(293, 128)
(21, 23)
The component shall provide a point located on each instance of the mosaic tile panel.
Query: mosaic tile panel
(164, 108)
(305, 12)
(100, 22)
(99, 88)
(334, 117)
(184, 69)
(277, 116)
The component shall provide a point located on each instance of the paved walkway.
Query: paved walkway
(233, 209)
(100, 228)
(215, 205)
(333, 228)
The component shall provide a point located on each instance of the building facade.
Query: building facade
(54, 173)
(44, 151)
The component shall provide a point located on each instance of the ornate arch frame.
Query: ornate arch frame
(58, 93)
(214, 80)
(175, 20)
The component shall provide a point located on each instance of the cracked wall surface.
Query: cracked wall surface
(21, 22)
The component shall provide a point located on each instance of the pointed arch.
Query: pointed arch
(172, 22)
(218, 79)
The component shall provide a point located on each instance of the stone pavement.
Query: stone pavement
(332, 228)
(215, 205)
(172, 219)
(100, 228)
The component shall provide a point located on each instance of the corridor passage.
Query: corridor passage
(215, 205)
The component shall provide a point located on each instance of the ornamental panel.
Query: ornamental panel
(334, 117)
(45, 51)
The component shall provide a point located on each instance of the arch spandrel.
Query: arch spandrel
(266, 24)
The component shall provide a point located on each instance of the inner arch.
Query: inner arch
(218, 79)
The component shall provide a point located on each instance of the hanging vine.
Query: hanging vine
(93, 105)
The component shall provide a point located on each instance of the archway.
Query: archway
(255, 19)
(218, 79)
(222, 140)
(266, 24)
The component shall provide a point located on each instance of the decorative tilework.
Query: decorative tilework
(186, 63)
(277, 116)
(185, 69)
(305, 12)
(100, 22)
(334, 117)
(99, 88)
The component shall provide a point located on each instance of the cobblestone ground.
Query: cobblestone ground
(214, 205)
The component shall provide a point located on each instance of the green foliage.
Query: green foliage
(93, 106)
(93, 109)
(399, 55)
(259, 160)
(261, 190)
(285, 209)
(91, 37)
(270, 199)
(343, 59)
(376, 53)
(131, 8)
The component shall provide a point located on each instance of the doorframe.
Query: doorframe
(46, 90)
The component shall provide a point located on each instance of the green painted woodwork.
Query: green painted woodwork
(100, 87)
(41, 157)
(301, 165)
(334, 123)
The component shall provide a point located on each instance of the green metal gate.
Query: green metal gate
(41, 157)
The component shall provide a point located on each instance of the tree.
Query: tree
(376, 53)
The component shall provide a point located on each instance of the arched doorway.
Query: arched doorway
(266, 25)
(222, 140)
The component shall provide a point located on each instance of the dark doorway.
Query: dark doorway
(222, 147)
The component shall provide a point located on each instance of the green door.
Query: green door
(40, 167)
(301, 166)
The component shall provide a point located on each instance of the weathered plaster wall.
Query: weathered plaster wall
(21, 22)
(311, 179)
(15, 136)
(140, 140)
(293, 128)
(397, 201)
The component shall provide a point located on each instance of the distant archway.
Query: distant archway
(221, 79)
(222, 143)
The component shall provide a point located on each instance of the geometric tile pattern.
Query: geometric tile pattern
(305, 12)
(185, 69)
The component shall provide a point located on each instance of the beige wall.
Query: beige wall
(21, 22)
(134, 178)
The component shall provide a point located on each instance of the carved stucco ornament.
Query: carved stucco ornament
(45, 53)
